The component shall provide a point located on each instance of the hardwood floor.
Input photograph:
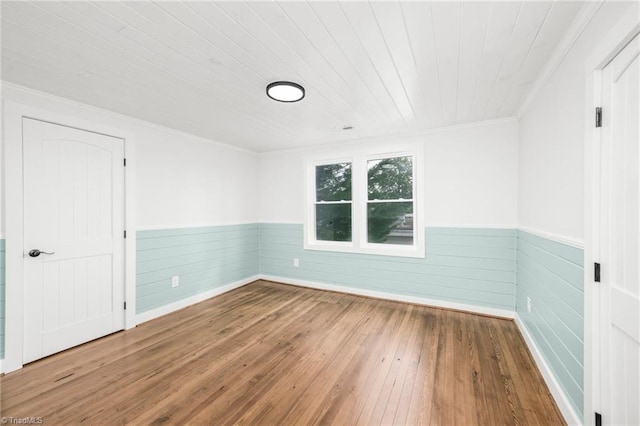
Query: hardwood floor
(269, 353)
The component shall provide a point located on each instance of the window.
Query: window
(390, 200)
(365, 204)
(333, 202)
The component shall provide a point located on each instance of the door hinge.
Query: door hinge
(125, 234)
(598, 117)
(125, 162)
(596, 272)
(125, 306)
(598, 419)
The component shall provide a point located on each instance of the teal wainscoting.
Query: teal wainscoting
(551, 274)
(2, 297)
(463, 265)
(204, 258)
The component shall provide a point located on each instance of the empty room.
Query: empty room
(320, 212)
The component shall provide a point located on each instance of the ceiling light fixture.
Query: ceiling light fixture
(285, 91)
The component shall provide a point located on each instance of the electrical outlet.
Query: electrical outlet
(528, 304)
(296, 262)
(175, 281)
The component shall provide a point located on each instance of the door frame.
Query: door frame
(13, 115)
(604, 51)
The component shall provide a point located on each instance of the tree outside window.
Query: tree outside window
(333, 202)
(390, 200)
(366, 203)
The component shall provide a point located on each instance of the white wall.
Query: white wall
(186, 181)
(2, 178)
(182, 180)
(470, 176)
(552, 138)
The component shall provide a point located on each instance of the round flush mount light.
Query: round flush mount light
(285, 91)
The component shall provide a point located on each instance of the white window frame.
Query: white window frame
(310, 231)
(381, 248)
(359, 200)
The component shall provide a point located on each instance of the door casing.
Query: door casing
(14, 197)
(603, 53)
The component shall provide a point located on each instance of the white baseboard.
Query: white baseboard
(183, 303)
(172, 307)
(503, 313)
(1, 370)
(567, 410)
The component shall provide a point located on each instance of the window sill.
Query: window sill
(369, 249)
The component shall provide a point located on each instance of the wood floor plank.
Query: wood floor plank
(422, 397)
(269, 353)
(328, 384)
(463, 349)
(271, 377)
(395, 382)
(442, 406)
(365, 372)
(157, 361)
(396, 410)
(115, 347)
(371, 411)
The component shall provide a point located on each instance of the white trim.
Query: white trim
(607, 47)
(611, 44)
(358, 158)
(578, 25)
(502, 313)
(393, 250)
(13, 112)
(392, 137)
(573, 242)
(191, 226)
(470, 225)
(1, 370)
(569, 414)
(12, 138)
(130, 242)
(281, 222)
(591, 230)
(426, 226)
(121, 116)
(183, 303)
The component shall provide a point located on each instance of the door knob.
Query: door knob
(36, 252)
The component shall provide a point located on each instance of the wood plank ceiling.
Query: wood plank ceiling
(201, 67)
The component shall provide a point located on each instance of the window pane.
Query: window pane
(333, 222)
(390, 178)
(333, 182)
(390, 223)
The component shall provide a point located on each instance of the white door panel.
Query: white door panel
(620, 240)
(626, 313)
(74, 208)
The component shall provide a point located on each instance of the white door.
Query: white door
(74, 215)
(620, 240)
